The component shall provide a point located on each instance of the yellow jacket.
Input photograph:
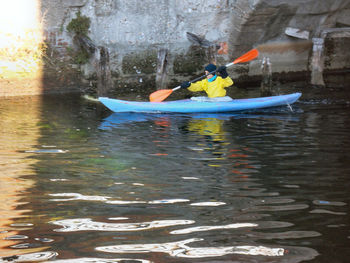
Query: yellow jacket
(213, 89)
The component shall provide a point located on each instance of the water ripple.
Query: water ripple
(102, 260)
(122, 202)
(208, 228)
(324, 211)
(76, 196)
(44, 256)
(190, 178)
(208, 204)
(323, 202)
(47, 151)
(274, 224)
(278, 207)
(180, 249)
(86, 224)
(16, 237)
(285, 235)
(32, 257)
(169, 201)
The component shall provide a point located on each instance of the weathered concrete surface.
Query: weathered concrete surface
(133, 32)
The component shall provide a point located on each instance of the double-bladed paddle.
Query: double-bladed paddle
(160, 95)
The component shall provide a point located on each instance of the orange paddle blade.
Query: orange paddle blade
(160, 95)
(250, 55)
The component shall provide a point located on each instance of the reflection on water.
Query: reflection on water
(181, 249)
(18, 131)
(82, 224)
(84, 185)
(207, 228)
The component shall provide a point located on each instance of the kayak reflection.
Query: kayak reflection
(204, 123)
(206, 129)
(209, 127)
(117, 119)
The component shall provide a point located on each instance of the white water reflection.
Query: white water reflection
(118, 218)
(180, 249)
(208, 204)
(190, 178)
(31, 257)
(59, 180)
(76, 196)
(47, 151)
(207, 228)
(138, 184)
(121, 202)
(86, 224)
(102, 260)
(16, 237)
(49, 255)
(169, 201)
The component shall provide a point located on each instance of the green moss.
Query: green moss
(144, 62)
(80, 57)
(79, 25)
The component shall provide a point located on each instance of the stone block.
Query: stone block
(297, 33)
(75, 3)
(104, 7)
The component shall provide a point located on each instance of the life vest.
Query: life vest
(215, 88)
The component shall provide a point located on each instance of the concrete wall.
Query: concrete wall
(134, 31)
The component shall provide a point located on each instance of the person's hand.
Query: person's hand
(185, 84)
(222, 71)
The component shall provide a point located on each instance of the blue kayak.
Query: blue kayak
(193, 106)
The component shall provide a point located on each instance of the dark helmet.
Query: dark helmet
(210, 68)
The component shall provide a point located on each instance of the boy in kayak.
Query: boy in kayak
(213, 84)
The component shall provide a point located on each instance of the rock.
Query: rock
(297, 33)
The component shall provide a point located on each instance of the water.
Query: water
(79, 184)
